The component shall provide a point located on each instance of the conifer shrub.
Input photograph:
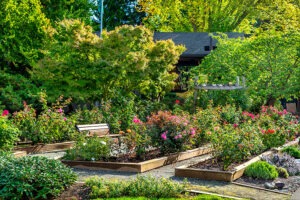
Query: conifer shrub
(261, 170)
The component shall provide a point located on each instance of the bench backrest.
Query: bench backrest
(94, 129)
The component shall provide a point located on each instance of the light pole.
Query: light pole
(101, 11)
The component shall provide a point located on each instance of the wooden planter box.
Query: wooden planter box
(229, 176)
(42, 148)
(237, 172)
(140, 166)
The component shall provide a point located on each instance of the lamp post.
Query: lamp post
(101, 10)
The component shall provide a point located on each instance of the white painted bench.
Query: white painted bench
(99, 130)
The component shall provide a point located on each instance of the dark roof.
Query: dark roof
(195, 43)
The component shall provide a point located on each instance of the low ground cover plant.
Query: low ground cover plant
(292, 151)
(33, 178)
(261, 170)
(142, 186)
(90, 149)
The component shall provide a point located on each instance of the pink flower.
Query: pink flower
(235, 125)
(5, 113)
(177, 101)
(179, 136)
(209, 133)
(60, 110)
(65, 119)
(176, 137)
(164, 136)
(136, 120)
(193, 132)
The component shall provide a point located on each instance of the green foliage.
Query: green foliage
(89, 116)
(292, 151)
(197, 16)
(8, 134)
(91, 149)
(282, 172)
(57, 10)
(270, 63)
(126, 60)
(33, 178)
(24, 31)
(261, 170)
(147, 186)
(14, 89)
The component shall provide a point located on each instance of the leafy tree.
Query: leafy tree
(270, 63)
(120, 12)
(23, 32)
(57, 10)
(14, 89)
(83, 66)
(201, 16)
(280, 15)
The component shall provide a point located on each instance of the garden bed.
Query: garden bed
(205, 170)
(139, 167)
(216, 173)
(42, 148)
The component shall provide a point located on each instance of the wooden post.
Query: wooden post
(237, 81)
(244, 81)
(195, 93)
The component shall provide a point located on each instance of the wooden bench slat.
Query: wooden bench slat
(91, 125)
(93, 128)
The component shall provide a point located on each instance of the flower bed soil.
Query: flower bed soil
(42, 148)
(131, 164)
(209, 169)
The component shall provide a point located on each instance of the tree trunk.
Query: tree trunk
(271, 101)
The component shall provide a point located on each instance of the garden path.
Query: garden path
(219, 187)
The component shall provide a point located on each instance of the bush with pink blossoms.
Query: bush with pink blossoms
(170, 133)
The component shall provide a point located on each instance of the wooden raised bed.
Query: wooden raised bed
(140, 166)
(42, 148)
(237, 172)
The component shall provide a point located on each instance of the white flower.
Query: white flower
(102, 142)
(93, 159)
(84, 144)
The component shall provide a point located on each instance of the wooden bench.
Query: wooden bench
(99, 130)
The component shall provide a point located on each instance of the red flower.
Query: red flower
(5, 112)
(177, 101)
(271, 131)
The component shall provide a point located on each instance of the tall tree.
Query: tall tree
(57, 10)
(194, 15)
(24, 31)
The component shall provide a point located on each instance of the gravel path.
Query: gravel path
(219, 187)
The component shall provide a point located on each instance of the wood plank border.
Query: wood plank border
(141, 166)
(19, 154)
(43, 148)
(229, 176)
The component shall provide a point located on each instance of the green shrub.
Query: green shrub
(92, 149)
(148, 186)
(282, 172)
(33, 178)
(261, 170)
(8, 134)
(292, 151)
